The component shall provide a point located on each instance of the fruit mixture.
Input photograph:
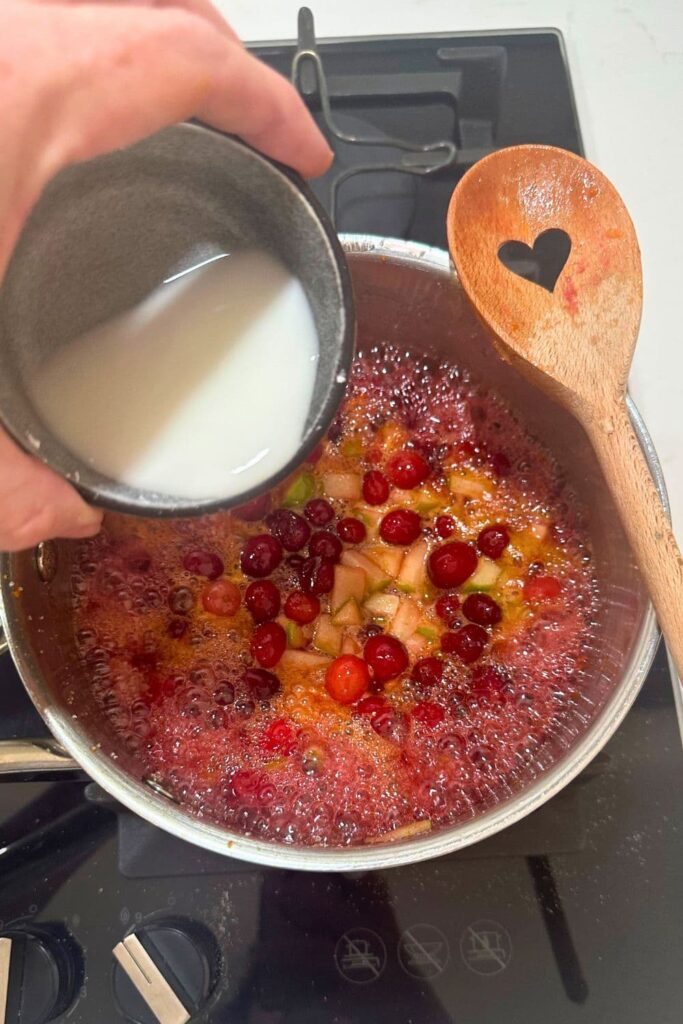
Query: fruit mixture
(378, 647)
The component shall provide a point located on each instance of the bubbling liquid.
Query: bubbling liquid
(201, 391)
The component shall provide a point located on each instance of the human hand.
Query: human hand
(79, 78)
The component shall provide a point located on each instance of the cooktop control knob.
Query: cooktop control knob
(41, 973)
(165, 972)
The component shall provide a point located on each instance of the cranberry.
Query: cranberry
(428, 713)
(139, 561)
(221, 598)
(203, 563)
(302, 608)
(347, 679)
(177, 628)
(447, 607)
(325, 545)
(316, 454)
(468, 643)
(319, 512)
(452, 564)
(542, 588)
(254, 510)
(262, 598)
(500, 463)
(181, 600)
(317, 576)
(402, 526)
(490, 682)
(428, 671)
(290, 528)
(445, 525)
(279, 738)
(260, 684)
(261, 555)
(493, 540)
(352, 530)
(224, 694)
(482, 609)
(371, 706)
(244, 707)
(407, 469)
(268, 643)
(245, 784)
(389, 724)
(386, 656)
(375, 487)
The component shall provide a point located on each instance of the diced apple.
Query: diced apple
(540, 529)
(299, 491)
(295, 634)
(349, 583)
(485, 575)
(327, 637)
(346, 486)
(417, 646)
(303, 661)
(383, 606)
(348, 614)
(406, 620)
(352, 447)
(467, 486)
(426, 500)
(387, 558)
(412, 576)
(350, 645)
(428, 632)
(377, 579)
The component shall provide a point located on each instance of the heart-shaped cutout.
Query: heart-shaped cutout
(542, 263)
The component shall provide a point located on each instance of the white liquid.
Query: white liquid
(201, 391)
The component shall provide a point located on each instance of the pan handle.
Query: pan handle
(44, 755)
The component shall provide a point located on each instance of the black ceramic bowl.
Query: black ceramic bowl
(107, 232)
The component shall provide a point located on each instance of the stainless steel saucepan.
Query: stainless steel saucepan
(406, 294)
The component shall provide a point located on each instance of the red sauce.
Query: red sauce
(394, 708)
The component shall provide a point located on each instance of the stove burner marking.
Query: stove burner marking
(360, 956)
(486, 947)
(423, 951)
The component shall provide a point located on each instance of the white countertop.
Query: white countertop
(626, 60)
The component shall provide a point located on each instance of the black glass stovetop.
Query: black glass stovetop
(572, 915)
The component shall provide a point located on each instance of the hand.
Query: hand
(81, 78)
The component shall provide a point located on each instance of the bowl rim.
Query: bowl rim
(104, 491)
(138, 797)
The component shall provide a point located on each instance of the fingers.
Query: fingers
(36, 504)
(132, 69)
(204, 8)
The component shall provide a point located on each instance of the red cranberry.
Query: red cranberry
(375, 487)
(407, 469)
(290, 528)
(245, 784)
(500, 463)
(262, 598)
(452, 564)
(493, 540)
(402, 526)
(203, 563)
(139, 561)
(428, 671)
(445, 525)
(542, 588)
(352, 530)
(326, 545)
(181, 600)
(347, 679)
(261, 555)
(389, 724)
(244, 707)
(319, 512)
(482, 609)
(177, 628)
(221, 598)
(371, 706)
(261, 685)
(279, 738)
(447, 607)
(468, 643)
(317, 576)
(316, 454)
(268, 643)
(428, 713)
(302, 608)
(386, 656)
(253, 510)
(490, 682)
(224, 694)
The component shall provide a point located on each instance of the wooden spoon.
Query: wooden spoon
(574, 333)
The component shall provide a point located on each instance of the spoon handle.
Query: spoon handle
(642, 513)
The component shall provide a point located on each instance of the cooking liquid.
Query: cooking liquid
(200, 391)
